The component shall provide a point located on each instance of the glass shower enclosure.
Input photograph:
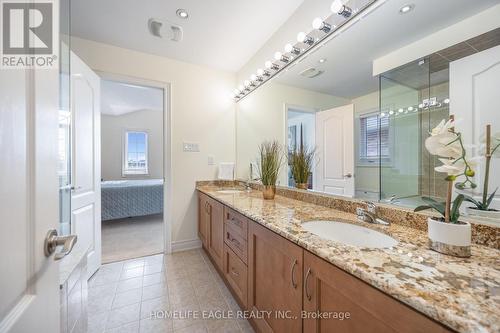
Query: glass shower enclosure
(414, 98)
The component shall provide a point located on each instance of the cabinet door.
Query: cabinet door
(216, 232)
(332, 292)
(274, 280)
(203, 218)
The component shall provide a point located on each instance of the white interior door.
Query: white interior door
(474, 84)
(86, 161)
(335, 151)
(29, 282)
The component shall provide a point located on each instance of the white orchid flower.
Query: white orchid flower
(454, 167)
(444, 145)
(443, 127)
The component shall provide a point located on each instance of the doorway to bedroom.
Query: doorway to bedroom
(132, 170)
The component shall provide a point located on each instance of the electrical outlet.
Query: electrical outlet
(190, 147)
(211, 159)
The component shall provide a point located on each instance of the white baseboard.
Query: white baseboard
(184, 245)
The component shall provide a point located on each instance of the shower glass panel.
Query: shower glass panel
(64, 144)
(413, 99)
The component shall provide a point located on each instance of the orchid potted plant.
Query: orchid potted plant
(482, 206)
(448, 234)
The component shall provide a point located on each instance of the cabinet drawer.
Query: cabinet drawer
(237, 221)
(233, 239)
(235, 272)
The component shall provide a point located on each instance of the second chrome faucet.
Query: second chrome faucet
(370, 214)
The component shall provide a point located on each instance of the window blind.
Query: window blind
(374, 140)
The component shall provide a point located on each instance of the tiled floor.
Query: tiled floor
(132, 237)
(122, 296)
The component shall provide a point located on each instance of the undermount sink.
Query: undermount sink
(349, 234)
(229, 191)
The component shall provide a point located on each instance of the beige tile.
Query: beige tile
(154, 291)
(131, 273)
(123, 315)
(194, 328)
(154, 305)
(222, 326)
(102, 290)
(129, 284)
(101, 278)
(245, 326)
(156, 278)
(97, 322)
(156, 326)
(100, 304)
(151, 269)
(133, 263)
(127, 328)
(127, 298)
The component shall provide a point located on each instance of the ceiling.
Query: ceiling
(349, 56)
(223, 34)
(120, 98)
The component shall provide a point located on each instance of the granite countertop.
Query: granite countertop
(463, 294)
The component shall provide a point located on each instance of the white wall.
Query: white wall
(261, 116)
(202, 111)
(112, 142)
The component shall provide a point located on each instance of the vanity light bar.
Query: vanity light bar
(305, 42)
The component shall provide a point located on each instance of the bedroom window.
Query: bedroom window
(135, 153)
(374, 139)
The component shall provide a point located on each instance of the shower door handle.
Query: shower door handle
(348, 175)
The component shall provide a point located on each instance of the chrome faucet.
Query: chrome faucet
(370, 214)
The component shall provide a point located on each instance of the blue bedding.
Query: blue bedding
(129, 198)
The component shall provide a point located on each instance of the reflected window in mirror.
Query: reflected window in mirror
(374, 139)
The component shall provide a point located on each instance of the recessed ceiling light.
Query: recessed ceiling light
(322, 60)
(406, 8)
(182, 13)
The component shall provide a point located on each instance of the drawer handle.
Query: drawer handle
(294, 284)
(235, 241)
(235, 221)
(234, 272)
(306, 285)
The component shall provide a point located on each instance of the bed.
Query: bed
(130, 198)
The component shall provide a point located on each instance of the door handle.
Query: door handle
(306, 284)
(52, 241)
(348, 175)
(294, 284)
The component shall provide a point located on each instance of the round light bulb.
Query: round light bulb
(391, 112)
(241, 88)
(317, 23)
(288, 48)
(277, 55)
(268, 64)
(400, 110)
(246, 83)
(446, 101)
(253, 77)
(336, 6)
(260, 72)
(410, 108)
(301, 37)
(382, 114)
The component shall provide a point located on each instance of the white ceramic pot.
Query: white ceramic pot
(450, 238)
(483, 214)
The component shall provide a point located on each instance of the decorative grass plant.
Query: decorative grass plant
(301, 162)
(271, 160)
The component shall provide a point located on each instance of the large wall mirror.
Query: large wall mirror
(367, 99)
